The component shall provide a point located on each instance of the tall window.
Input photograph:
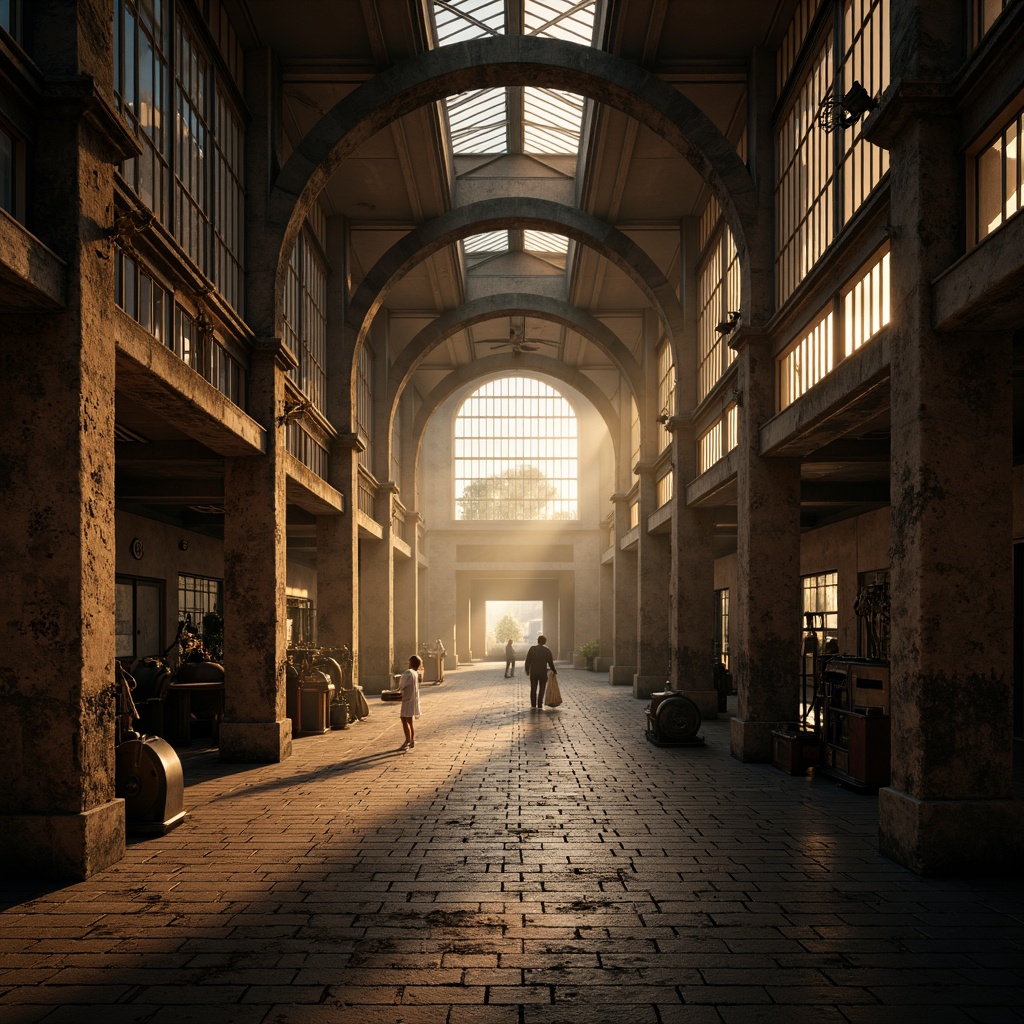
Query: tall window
(197, 596)
(984, 14)
(516, 453)
(666, 390)
(180, 106)
(718, 293)
(997, 178)
(364, 403)
(822, 179)
(305, 317)
(722, 625)
(821, 601)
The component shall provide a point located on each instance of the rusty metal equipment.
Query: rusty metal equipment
(673, 720)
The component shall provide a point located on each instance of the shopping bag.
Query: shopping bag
(552, 694)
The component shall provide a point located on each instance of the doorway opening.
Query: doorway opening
(519, 621)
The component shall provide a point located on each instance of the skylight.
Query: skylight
(551, 121)
(488, 242)
(544, 242)
(478, 121)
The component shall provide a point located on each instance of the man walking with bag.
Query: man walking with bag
(538, 660)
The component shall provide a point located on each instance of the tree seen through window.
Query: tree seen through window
(516, 453)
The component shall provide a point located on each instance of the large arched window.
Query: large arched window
(516, 453)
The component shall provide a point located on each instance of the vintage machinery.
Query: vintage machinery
(855, 745)
(673, 720)
(147, 771)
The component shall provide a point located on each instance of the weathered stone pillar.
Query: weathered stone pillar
(406, 613)
(255, 727)
(693, 561)
(58, 813)
(337, 556)
(765, 657)
(949, 808)
(653, 565)
(624, 599)
(376, 600)
(693, 582)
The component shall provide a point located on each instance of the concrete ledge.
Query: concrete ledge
(752, 741)
(951, 837)
(256, 742)
(65, 846)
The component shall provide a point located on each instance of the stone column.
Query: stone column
(376, 600)
(950, 806)
(58, 812)
(406, 614)
(693, 582)
(693, 561)
(624, 599)
(765, 659)
(255, 727)
(653, 566)
(337, 556)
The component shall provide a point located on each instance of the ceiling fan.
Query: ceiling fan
(517, 339)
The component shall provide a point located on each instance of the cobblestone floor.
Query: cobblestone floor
(516, 867)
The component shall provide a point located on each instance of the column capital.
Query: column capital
(278, 350)
(907, 101)
(646, 468)
(348, 442)
(748, 335)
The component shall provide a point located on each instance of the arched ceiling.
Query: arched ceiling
(397, 189)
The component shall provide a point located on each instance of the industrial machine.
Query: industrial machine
(673, 720)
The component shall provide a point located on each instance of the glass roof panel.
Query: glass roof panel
(545, 242)
(457, 20)
(571, 20)
(552, 121)
(489, 242)
(478, 121)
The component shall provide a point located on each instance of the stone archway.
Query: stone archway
(496, 61)
(521, 212)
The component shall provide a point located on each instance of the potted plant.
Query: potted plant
(588, 651)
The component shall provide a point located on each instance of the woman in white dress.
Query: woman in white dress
(409, 684)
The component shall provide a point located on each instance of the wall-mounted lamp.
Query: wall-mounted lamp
(294, 408)
(664, 416)
(838, 111)
(736, 395)
(728, 325)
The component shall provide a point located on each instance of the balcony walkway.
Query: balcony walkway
(516, 867)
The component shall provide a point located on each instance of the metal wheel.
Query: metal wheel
(678, 719)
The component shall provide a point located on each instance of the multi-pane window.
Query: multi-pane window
(190, 171)
(178, 105)
(865, 60)
(865, 303)
(301, 626)
(664, 489)
(364, 403)
(396, 447)
(228, 224)
(719, 439)
(143, 298)
(718, 294)
(821, 602)
(984, 14)
(796, 34)
(823, 178)
(198, 596)
(722, 625)
(141, 48)
(804, 221)
(193, 341)
(305, 318)
(861, 312)
(997, 178)
(306, 448)
(666, 391)
(516, 453)
(806, 361)
(634, 433)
